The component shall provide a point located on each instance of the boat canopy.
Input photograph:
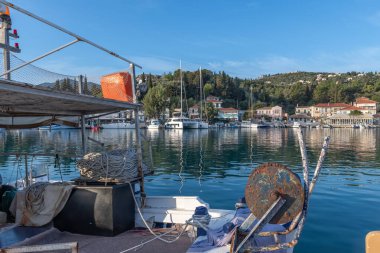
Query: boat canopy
(23, 105)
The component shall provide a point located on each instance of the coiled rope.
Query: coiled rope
(119, 164)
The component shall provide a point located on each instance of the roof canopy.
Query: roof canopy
(18, 99)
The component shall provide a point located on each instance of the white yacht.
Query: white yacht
(181, 123)
(154, 124)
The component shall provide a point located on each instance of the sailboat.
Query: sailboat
(201, 123)
(250, 123)
(180, 122)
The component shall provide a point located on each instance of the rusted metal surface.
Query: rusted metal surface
(270, 181)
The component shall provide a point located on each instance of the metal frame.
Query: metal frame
(78, 37)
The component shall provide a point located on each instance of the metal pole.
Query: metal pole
(6, 26)
(83, 134)
(133, 77)
(26, 171)
(139, 157)
(66, 31)
(39, 57)
(200, 87)
(80, 84)
(180, 73)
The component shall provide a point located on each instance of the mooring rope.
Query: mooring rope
(156, 236)
(120, 164)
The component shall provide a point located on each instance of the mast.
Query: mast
(251, 104)
(200, 87)
(180, 73)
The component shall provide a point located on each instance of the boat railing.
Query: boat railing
(19, 70)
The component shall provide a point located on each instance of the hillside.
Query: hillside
(286, 90)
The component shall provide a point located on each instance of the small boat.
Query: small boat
(120, 124)
(154, 124)
(250, 124)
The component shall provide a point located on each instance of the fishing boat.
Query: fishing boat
(85, 214)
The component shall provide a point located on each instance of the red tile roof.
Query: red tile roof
(332, 105)
(364, 100)
(214, 101)
(228, 109)
(351, 108)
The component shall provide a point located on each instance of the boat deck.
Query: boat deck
(118, 243)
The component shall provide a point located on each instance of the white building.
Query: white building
(274, 112)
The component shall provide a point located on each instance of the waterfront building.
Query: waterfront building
(194, 112)
(304, 118)
(304, 110)
(228, 114)
(274, 112)
(347, 120)
(215, 101)
(367, 105)
(349, 109)
(324, 110)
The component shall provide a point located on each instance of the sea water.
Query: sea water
(215, 164)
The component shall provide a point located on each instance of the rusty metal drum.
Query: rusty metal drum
(270, 181)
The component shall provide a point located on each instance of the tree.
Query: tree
(207, 89)
(155, 101)
(355, 113)
(211, 112)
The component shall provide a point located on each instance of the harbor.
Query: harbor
(116, 159)
(214, 165)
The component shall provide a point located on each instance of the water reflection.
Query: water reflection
(215, 163)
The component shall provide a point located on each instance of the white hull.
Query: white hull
(203, 125)
(252, 125)
(121, 125)
(154, 127)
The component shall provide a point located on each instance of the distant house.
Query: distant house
(230, 114)
(327, 109)
(274, 112)
(302, 118)
(215, 101)
(304, 110)
(368, 105)
(194, 112)
(347, 110)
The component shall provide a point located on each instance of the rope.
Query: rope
(156, 236)
(118, 164)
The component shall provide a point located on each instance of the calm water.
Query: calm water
(215, 164)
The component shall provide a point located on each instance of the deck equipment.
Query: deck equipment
(275, 195)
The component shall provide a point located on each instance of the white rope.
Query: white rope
(120, 164)
(156, 236)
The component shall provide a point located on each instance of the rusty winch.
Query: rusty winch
(275, 195)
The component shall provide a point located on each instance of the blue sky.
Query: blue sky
(244, 38)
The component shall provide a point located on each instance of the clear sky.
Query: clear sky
(244, 38)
